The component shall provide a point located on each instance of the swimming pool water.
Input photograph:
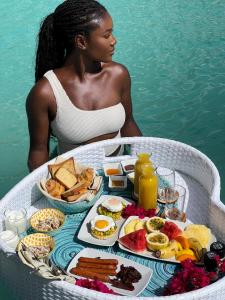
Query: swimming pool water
(174, 51)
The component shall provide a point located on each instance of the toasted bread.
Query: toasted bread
(54, 188)
(75, 189)
(96, 183)
(67, 164)
(77, 195)
(65, 177)
(88, 174)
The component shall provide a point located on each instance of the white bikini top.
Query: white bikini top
(73, 126)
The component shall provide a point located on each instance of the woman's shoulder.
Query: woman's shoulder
(40, 92)
(116, 69)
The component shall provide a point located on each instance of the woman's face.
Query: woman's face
(101, 42)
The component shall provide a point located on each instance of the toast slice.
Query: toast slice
(67, 164)
(65, 177)
(75, 189)
(96, 183)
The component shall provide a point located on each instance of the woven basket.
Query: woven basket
(204, 207)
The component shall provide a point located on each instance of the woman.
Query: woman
(80, 95)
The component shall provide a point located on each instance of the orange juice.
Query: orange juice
(148, 188)
(143, 158)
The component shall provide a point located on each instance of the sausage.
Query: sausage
(98, 260)
(90, 274)
(99, 271)
(95, 266)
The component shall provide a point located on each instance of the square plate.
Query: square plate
(139, 286)
(84, 233)
(148, 253)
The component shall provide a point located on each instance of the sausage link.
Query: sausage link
(99, 271)
(95, 266)
(90, 274)
(98, 260)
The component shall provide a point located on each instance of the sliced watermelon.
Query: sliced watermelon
(171, 230)
(135, 241)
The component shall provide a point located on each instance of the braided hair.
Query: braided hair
(57, 32)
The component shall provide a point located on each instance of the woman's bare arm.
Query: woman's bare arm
(130, 127)
(37, 107)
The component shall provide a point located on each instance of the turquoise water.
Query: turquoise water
(174, 50)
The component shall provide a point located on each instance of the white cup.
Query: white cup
(10, 238)
(16, 220)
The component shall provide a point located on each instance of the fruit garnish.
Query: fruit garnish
(183, 241)
(157, 241)
(135, 241)
(171, 230)
(154, 224)
(169, 251)
(185, 254)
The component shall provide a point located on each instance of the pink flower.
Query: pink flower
(222, 266)
(189, 278)
(94, 285)
(134, 210)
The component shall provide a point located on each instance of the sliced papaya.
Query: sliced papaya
(183, 241)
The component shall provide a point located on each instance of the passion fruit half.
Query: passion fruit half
(154, 224)
(157, 241)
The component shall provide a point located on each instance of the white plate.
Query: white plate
(148, 253)
(84, 233)
(139, 286)
(127, 162)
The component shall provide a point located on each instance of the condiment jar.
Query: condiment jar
(10, 238)
(210, 261)
(148, 187)
(143, 158)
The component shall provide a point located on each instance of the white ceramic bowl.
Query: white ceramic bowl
(116, 169)
(117, 183)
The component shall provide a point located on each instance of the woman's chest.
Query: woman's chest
(93, 93)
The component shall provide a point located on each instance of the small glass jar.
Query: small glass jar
(16, 220)
(10, 238)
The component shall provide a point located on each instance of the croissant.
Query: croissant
(54, 188)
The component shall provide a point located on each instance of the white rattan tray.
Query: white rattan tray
(204, 206)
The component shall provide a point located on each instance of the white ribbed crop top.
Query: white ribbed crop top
(73, 126)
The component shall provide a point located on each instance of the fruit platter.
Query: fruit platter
(157, 238)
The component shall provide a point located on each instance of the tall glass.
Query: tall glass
(166, 181)
(175, 203)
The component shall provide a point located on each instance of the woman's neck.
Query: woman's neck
(81, 65)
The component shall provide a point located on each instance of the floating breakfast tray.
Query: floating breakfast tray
(204, 207)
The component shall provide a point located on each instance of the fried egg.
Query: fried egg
(113, 204)
(102, 223)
